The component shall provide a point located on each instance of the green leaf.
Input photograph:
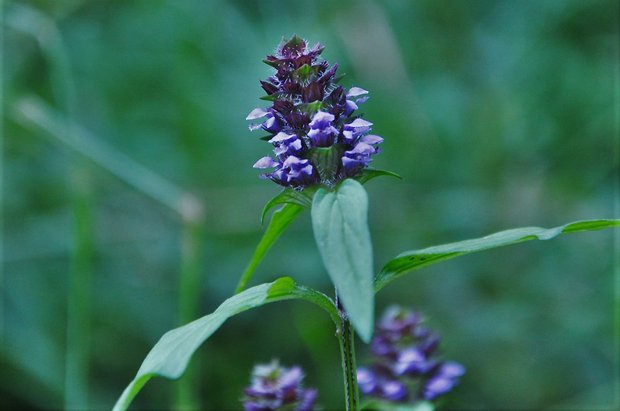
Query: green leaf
(412, 260)
(339, 221)
(270, 97)
(289, 196)
(381, 405)
(370, 173)
(303, 73)
(279, 221)
(170, 356)
(310, 109)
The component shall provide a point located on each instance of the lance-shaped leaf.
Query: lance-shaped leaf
(368, 174)
(339, 221)
(289, 196)
(412, 260)
(170, 356)
(279, 221)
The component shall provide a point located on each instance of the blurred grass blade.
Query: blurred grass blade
(170, 356)
(32, 112)
(279, 221)
(412, 260)
(192, 244)
(79, 297)
(340, 225)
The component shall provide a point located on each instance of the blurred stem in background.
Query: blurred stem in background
(78, 326)
(79, 293)
(31, 111)
(188, 297)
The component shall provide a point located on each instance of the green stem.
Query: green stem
(346, 337)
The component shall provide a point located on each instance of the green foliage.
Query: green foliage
(390, 406)
(412, 260)
(496, 115)
(370, 173)
(170, 356)
(279, 221)
(289, 196)
(339, 221)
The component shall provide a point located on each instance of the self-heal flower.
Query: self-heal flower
(322, 133)
(312, 120)
(286, 145)
(404, 367)
(276, 388)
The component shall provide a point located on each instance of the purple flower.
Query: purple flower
(443, 380)
(322, 133)
(411, 361)
(286, 145)
(311, 113)
(394, 391)
(271, 123)
(277, 388)
(403, 353)
(357, 158)
(355, 129)
(367, 381)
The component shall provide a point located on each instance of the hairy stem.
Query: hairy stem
(346, 337)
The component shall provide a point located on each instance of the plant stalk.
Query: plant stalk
(346, 337)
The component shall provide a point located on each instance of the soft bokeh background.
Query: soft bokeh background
(127, 177)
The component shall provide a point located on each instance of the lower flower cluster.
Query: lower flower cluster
(404, 368)
(276, 388)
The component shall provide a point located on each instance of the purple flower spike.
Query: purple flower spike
(275, 388)
(310, 111)
(403, 353)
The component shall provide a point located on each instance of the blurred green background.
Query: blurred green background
(130, 205)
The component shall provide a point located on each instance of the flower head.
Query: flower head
(275, 387)
(312, 119)
(404, 366)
